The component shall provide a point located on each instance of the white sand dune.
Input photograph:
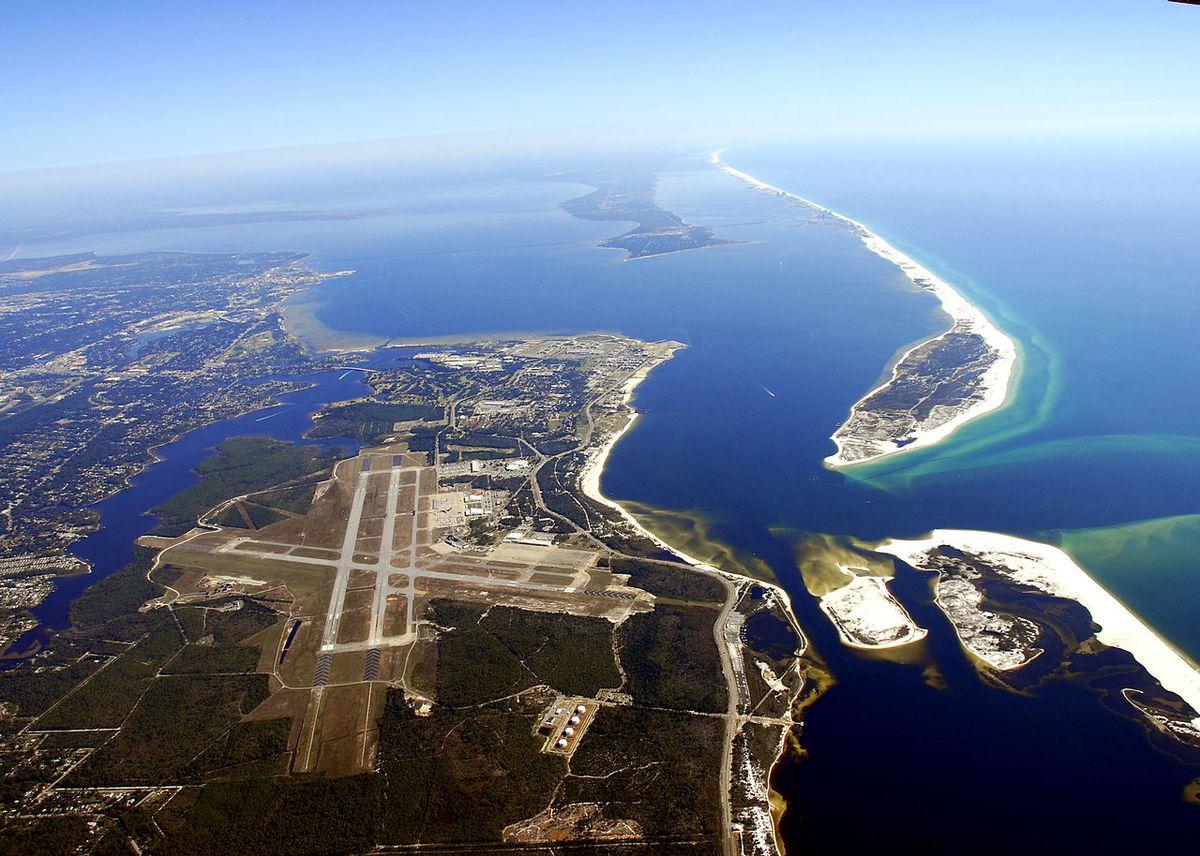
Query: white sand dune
(1051, 570)
(868, 616)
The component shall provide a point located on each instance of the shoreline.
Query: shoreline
(964, 317)
(869, 594)
(991, 658)
(1052, 570)
(589, 483)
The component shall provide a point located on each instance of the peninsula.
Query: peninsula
(451, 611)
(986, 578)
(936, 386)
(630, 196)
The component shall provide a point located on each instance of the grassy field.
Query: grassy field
(242, 465)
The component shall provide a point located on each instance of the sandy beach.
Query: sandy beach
(1051, 570)
(764, 830)
(590, 484)
(589, 480)
(867, 615)
(964, 316)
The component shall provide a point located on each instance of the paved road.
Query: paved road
(384, 564)
(729, 840)
(383, 568)
(345, 563)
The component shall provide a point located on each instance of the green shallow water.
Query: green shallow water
(1166, 549)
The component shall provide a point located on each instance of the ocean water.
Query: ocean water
(1083, 255)
(1086, 254)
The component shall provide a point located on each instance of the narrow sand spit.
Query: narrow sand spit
(965, 317)
(1051, 570)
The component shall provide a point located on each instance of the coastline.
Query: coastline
(589, 482)
(1053, 571)
(867, 616)
(589, 479)
(298, 318)
(964, 317)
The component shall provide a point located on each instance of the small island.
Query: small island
(631, 197)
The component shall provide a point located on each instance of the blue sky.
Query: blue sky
(101, 81)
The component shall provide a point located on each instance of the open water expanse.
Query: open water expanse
(1085, 254)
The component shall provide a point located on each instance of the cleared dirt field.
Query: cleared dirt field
(343, 724)
(347, 667)
(478, 571)
(530, 554)
(360, 578)
(356, 616)
(315, 553)
(258, 547)
(395, 616)
(550, 579)
(403, 534)
(285, 703)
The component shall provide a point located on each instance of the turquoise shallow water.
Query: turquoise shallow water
(1086, 255)
(784, 332)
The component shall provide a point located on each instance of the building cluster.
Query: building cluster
(565, 723)
(101, 361)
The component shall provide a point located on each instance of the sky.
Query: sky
(92, 82)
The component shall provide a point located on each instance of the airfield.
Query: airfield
(352, 579)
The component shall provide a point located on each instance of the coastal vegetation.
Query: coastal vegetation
(46, 836)
(176, 720)
(486, 653)
(116, 596)
(663, 762)
(30, 692)
(106, 699)
(239, 466)
(671, 658)
(370, 421)
(669, 580)
(631, 197)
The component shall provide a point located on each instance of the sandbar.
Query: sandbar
(1051, 570)
(867, 615)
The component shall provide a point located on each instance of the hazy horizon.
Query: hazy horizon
(162, 82)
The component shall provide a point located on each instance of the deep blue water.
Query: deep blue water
(1083, 253)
